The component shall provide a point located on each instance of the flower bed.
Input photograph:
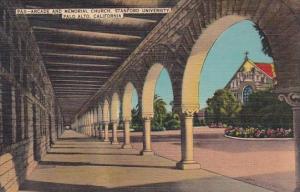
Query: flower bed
(259, 133)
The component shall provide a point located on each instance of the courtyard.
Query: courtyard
(269, 164)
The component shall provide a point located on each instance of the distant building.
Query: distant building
(250, 77)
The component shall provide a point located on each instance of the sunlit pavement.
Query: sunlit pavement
(269, 164)
(81, 164)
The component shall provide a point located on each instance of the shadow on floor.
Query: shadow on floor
(76, 147)
(192, 185)
(78, 139)
(61, 163)
(39, 186)
(74, 153)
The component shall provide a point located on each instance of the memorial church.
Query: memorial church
(250, 77)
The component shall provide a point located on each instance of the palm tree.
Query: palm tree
(172, 121)
(160, 110)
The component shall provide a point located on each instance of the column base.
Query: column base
(127, 146)
(187, 165)
(106, 141)
(115, 143)
(146, 152)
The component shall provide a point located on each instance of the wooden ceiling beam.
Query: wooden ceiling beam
(87, 35)
(126, 26)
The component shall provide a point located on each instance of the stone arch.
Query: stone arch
(115, 107)
(106, 111)
(195, 63)
(277, 21)
(164, 55)
(127, 101)
(149, 90)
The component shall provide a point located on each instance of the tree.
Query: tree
(223, 107)
(162, 120)
(172, 121)
(160, 112)
(137, 120)
(264, 110)
(266, 48)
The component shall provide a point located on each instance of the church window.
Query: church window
(248, 90)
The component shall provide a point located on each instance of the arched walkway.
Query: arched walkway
(127, 107)
(106, 119)
(183, 44)
(147, 105)
(115, 117)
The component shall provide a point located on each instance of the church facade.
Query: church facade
(250, 77)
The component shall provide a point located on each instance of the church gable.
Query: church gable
(257, 76)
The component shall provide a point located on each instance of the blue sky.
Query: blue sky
(223, 60)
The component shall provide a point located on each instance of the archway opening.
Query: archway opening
(227, 59)
(115, 108)
(164, 117)
(130, 107)
(106, 111)
(158, 99)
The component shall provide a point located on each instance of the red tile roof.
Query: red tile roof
(268, 68)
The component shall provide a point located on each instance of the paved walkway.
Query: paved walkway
(80, 164)
(270, 164)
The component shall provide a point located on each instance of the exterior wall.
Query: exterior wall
(26, 101)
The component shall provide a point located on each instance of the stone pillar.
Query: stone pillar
(100, 131)
(95, 130)
(293, 99)
(147, 149)
(115, 133)
(187, 144)
(106, 137)
(127, 143)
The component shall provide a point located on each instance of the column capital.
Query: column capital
(189, 110)
(147, 118)
(293, 99)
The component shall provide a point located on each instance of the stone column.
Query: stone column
(100, 131)
(147, 149)
(106, 136)
(187, 144)
(115, 133)
(95, 130)
(127, 144)
(293, 99)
